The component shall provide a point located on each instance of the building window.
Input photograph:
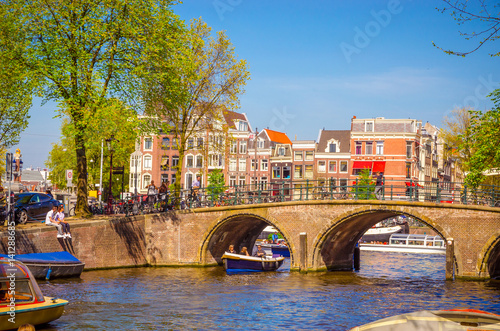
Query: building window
(298, 156)
(174, 143)
(380, 148)
(408, 170)
(408, 149)
(242, 165)
(309, 155)
(199, 161)
(276, 172)
(146, 180)
(232, 164)
(332, 166)
(260, 143)
(369, 148)
(286, 172)
(148, 162)
(164, 178)
(308, 173)
(165, 143)
(358, 147)
(164, 165)
(263, 183)
(175, 162)
(189, 180)
(281, 151)
(173, 178)
(234, 147)
(263, 165)
(343, 166)
(243, 147)
(332, 148)
(321, 166)
(190, 143)
(200, 143)
(148, 143)
(232, 181)
(189, 161)
(242, 181)
(297, 173)
(243, 126)
(368, 126)
(254, 162)
(215, 160)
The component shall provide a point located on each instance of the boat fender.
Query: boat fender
(47, 277)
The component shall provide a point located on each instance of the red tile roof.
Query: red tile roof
(278, 137)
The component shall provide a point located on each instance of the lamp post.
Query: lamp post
(109, 142)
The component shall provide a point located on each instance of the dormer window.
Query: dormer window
(281, 151)
(242, 126)
(260, 143)
(332, 148)
(369, 126)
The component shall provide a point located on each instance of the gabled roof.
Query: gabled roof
(342, 136)
(231, 116)
(278, 137)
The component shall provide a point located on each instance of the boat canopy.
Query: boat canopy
(416, 239)
(26, 287)
(52, 257)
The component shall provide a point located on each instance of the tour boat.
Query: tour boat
(408, 243)
(51, 265)
(382, 233)
(454, 319)
(21, 300)
(251, 263)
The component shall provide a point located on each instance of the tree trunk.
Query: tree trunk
(82, 207)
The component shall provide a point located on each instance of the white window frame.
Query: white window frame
(322, 168)
(264, 164)
(243, 147)
(146, 141)
(379, 148)
(148, 161)
(336, 168)
(242, 164)
(233, 164)
(367, 126)
(347, 167)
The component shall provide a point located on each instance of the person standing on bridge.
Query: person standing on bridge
(379, 185)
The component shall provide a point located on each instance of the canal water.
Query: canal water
(209, 299)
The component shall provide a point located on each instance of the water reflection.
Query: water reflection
(207, 298)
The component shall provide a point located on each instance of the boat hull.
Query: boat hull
(241, 262)
(402, 249)
(382, 234)
(40, 270)
(436, 320)
(36, 313)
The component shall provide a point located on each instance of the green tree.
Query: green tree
(216, 183)
(61, 156)
(479, 14)
(206, 80)
(84, 52)
(364, 186)
(455, 137)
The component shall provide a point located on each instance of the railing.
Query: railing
(304, 190)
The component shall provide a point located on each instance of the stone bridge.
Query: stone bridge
(322, 234)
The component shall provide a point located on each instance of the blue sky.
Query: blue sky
(315, 64)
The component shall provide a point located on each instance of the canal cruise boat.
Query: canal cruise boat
(408, 243)
(21, 300)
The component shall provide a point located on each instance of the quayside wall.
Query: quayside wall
(112, 242)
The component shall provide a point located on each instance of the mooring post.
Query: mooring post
(356, 257)
(450, 260)
(303, 252)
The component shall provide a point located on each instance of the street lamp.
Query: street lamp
(111, 149)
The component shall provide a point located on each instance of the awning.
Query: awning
(362, 164)
(378, 166)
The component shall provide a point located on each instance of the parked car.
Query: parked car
(29, 206)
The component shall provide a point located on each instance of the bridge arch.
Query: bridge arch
(239, 229)
(489, 257)
(333, 248)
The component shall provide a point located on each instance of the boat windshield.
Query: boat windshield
(25, 289)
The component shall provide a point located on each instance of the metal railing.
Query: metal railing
(304, 190)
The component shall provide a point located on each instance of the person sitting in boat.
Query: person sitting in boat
(244, 251)
(59, 217)
(231, 249)
(259, 252)
(50, 219)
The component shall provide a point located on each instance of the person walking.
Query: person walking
(152, 194)
(379, 185)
